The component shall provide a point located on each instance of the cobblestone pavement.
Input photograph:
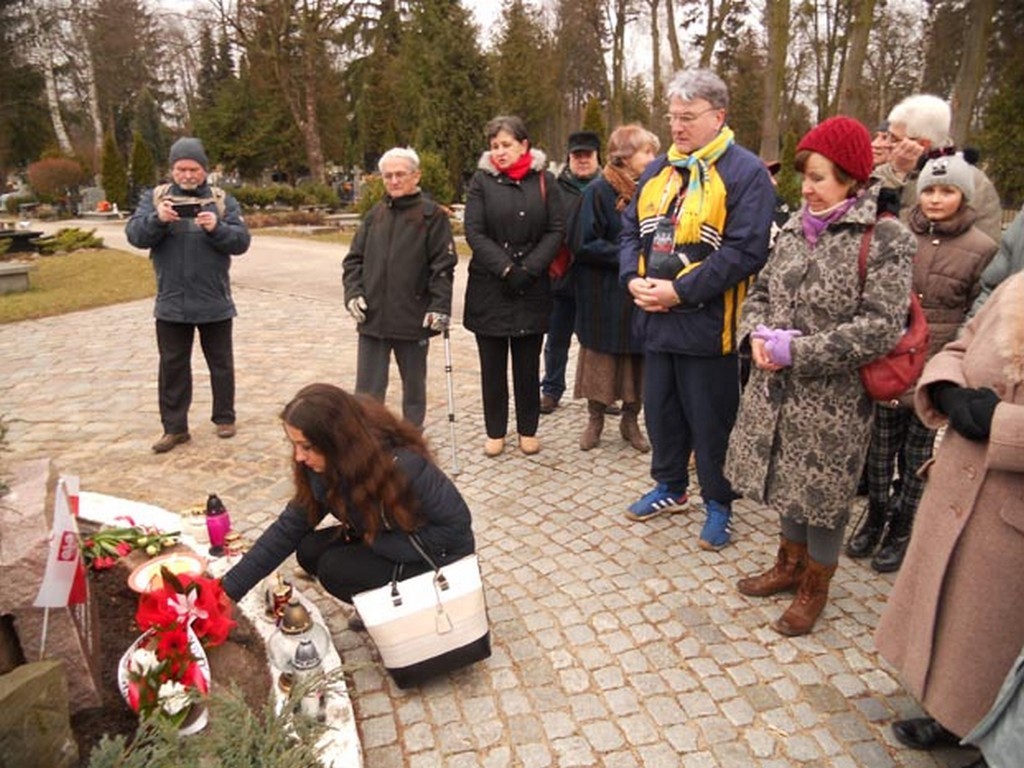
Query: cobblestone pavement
(615, 643)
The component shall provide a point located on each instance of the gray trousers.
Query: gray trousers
(373, 361)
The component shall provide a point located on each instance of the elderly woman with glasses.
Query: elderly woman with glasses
(514, 226)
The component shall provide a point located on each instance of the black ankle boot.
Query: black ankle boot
(890, 554)
(923, 733)
(869, 533)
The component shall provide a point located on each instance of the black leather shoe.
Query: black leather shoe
(889, 557)
(923, 733)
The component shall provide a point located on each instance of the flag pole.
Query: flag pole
(42, 641)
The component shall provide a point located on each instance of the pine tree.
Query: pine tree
(444, 88)
(142, 169)
(593, 119)
(115, 177)
(1004, 115)
(524, 80)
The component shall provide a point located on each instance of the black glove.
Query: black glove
(889, 202)
(970, 411)
(517, 280)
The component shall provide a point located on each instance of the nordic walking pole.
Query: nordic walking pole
(451, 398)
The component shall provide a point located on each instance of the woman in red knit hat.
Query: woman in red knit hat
(805, 421)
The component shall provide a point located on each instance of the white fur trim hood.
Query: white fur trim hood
(539, 162)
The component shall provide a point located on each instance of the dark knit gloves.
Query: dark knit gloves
(517, 280)
(969, 410)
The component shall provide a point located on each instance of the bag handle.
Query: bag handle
(440, 580)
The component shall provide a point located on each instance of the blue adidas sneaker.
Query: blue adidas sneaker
(717, 532)
(654, 502)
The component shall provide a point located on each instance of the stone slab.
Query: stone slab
(35, 724)
(71, 634)
(14, 277)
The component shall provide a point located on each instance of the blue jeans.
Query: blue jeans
(556, 345)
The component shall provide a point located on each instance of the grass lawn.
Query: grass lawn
(80, 280)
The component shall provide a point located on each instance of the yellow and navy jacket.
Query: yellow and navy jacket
(720, 267)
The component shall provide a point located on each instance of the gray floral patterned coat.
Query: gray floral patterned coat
(802, 434)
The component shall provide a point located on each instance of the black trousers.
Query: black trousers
(347, 568)
(494, 351)
(174, 341)
(691, 405)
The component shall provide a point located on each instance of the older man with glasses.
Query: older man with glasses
(398, 277)
(693, 237)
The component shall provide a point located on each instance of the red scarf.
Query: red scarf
(519, 168)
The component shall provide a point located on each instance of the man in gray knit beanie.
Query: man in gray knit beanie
(191, 231)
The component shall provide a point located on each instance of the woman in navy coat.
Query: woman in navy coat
(610, 365)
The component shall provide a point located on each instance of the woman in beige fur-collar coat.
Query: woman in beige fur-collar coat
(953, 624)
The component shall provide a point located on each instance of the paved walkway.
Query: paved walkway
(615, 643)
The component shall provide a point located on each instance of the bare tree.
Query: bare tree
(851, 92)
(776, 24)
(673, 35)
(79, 23)
(972, 65)
(821, 28)
(656, 85)
(288, 39)
(895, 58)
(717, 16)
(620, 13)
(43, 51)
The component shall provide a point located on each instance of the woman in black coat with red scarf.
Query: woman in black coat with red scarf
(514, 226)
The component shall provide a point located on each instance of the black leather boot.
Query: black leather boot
(864, 541)
(890, 554)
(923, 733)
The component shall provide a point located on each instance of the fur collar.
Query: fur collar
(539, 163)
(1010, 330)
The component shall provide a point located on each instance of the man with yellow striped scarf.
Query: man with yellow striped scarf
(693, 238)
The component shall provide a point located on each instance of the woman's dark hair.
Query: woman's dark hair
(357, 436)
(852, 184)
(514, 125)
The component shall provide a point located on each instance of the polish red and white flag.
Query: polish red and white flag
(64, 560)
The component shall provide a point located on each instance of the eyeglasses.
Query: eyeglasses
(690, 117)
(397, 175)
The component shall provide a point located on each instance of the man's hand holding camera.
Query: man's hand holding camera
(168, 212)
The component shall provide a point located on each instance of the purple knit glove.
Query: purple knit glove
(776, 343)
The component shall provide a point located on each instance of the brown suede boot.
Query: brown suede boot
(630, 429)
(811, 597)
(790, 563)
(595, 423)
